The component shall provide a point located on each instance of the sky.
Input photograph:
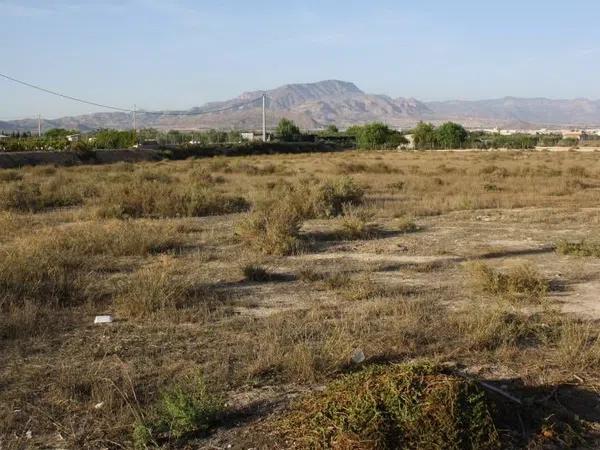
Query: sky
(175, 54)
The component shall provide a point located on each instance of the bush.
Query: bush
(186, 408)
(159, 199)
(330, 198)
(396, 406)
(580, 248)
(272, 228)
(521, 283)
(34, 197)
(153, 289)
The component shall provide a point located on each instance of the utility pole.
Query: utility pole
(39, 125)
(134, 118)
(264, 119)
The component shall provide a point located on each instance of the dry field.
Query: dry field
(243, 288)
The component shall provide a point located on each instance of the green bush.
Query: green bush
(389, 407)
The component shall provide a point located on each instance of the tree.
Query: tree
(332, 129)
(424, 136)
(451, 135)
(378, 136)
(287, 130)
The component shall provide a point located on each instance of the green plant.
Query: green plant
(388, 407)
(578, 248)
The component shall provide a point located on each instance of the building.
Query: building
(73, 137)
(3, 136)
(253, 136)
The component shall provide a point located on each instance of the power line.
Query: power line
(116, 108)
(39, 88)
(199, 113)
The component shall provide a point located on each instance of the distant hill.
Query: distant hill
(316, 105)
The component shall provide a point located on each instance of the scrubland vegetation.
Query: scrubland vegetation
(244, 288)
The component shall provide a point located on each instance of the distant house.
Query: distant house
(253, 136)
(73, 137)
(3, 136)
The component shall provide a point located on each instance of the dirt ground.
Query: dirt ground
(397, 294)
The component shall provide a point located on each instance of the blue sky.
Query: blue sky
(183, 53)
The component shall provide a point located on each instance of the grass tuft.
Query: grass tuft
(520, 284)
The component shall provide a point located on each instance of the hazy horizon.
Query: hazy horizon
(180, 54)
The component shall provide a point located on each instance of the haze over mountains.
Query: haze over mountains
(316, 105)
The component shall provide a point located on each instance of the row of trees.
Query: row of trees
(370, 136)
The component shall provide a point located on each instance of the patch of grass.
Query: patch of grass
(578, 248)
(153, 289)
(520, 284)
(10, 175)
(385, 407)
(186, 409)
(26, 196)
(255, 272)
(578, 346)
(155, 200)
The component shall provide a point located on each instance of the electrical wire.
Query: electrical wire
(116, 108)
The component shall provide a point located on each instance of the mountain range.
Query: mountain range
(316, 105)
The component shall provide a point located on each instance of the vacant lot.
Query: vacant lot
(246, 291)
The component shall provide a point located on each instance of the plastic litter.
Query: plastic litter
(103, 319)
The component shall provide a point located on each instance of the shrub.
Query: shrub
(330, 198)
(254, 272)
(394, 407)
(356, 223)
(521, 283)
(186, 408)
(34, 197)
(10, 175)
(153, 289)
(580, 248)
(159, 199)
(272, 228)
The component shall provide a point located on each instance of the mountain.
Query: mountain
(316, 105)
(532, 111)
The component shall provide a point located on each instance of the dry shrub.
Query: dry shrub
(272, 228)
(161, 288)
(329, 198)
(578, 346)
(522, 283)
(46, 268)
(486, 327)
(397, 406)
(10, 175)
(26, 196)
(355, 223)
(158, 199)
(578, 248)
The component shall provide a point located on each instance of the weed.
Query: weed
(394, 407)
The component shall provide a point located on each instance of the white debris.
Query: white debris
(103, 319)
(29, 434)
(358, 356)
(99, 405)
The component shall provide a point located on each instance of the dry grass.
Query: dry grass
(170, 271)
(522, 283)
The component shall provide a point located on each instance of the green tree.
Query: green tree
(379, 136)
(451, 135)
(287, 130)
(424, 136)
(332, 129)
